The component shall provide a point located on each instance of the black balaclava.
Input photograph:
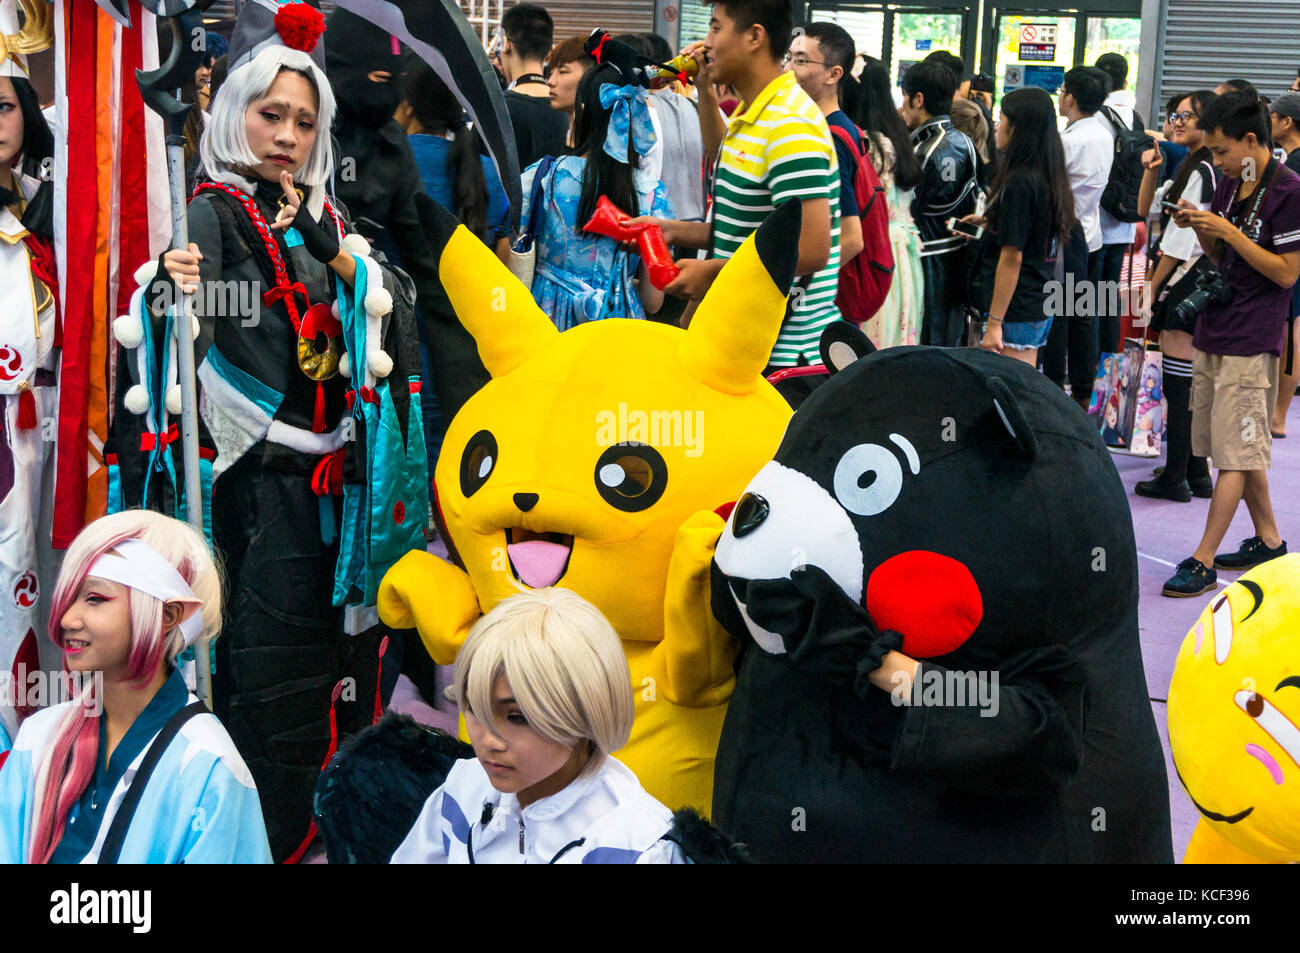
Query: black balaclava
(354, 48)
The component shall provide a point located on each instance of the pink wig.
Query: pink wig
(69, 761)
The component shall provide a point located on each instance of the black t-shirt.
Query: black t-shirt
(1021, 216)
(1293, 160)
(539, 129)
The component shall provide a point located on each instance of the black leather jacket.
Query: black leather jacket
(947, 190)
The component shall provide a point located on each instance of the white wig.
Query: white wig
(224, 148)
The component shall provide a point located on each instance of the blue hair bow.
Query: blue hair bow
(630, 112)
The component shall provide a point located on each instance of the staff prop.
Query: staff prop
(158, 89)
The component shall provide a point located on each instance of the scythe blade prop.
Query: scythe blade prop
(441, 36)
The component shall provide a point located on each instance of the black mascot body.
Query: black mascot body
(953, 506)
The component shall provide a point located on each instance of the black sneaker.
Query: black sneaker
(1157, 490)
(1192, 579)
(1250, 554)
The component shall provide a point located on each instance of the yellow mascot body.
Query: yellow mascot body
(1234, 708)
(595, 460)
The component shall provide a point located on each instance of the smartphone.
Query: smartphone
(965, 228)
(1172, 206)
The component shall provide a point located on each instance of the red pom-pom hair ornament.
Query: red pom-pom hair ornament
(299, 25)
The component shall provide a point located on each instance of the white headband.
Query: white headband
(137, 565)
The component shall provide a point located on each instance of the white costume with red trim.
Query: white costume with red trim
(28, 415)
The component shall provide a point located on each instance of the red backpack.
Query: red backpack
(865, 281)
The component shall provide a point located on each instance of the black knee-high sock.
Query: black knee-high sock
(1177, 380)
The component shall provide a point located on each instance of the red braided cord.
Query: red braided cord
(268, 240)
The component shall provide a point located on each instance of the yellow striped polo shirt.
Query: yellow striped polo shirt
(778, 147)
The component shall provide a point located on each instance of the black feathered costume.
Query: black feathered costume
(966, 503)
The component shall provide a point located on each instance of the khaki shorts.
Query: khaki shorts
(1232, 409)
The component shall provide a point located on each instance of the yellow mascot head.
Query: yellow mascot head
(578, 461)
(1234, 711)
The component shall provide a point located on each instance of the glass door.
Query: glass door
(901, 34)
(917, 35)
(1033, 49)
(867, 27)
(1114, 35)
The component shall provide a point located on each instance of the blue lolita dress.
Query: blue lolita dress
(583, 277)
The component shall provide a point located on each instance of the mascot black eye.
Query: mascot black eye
(868, 479)
(631, 476)
(478, 461)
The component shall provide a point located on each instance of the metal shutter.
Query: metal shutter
(572, 17)
(225, 9)
(580, 17)
(694, 21)
(1208, 41)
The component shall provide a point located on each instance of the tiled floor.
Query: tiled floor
(1166, 533)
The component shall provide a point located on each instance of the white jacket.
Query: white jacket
(606, 818)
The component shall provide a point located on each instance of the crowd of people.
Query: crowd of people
(961, 211)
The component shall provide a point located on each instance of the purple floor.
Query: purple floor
(1166, 534)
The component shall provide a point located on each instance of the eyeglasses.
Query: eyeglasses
(801, 61)
(1182, 117)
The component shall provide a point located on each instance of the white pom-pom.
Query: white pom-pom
(145, 273)
(334, 309)
(355, 244)
(137, 399)
(345, 365)
(378, 302)
(194, 326)
(380, 364)
(128, 330)
(174, 399)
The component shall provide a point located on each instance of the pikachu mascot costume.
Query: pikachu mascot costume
(1234, 704)
(604, 459)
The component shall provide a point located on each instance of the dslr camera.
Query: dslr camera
(1211, 288)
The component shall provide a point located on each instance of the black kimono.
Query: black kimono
(284, 444)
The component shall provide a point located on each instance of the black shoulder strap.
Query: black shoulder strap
(108, 854)
(1209, 180)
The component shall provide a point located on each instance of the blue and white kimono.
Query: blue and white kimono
(200, 805)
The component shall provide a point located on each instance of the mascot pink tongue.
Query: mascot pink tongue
(538, 563)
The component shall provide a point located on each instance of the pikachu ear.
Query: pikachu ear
(495, 308)
(732, 333)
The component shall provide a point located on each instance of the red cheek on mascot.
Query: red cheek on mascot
(931, 599)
